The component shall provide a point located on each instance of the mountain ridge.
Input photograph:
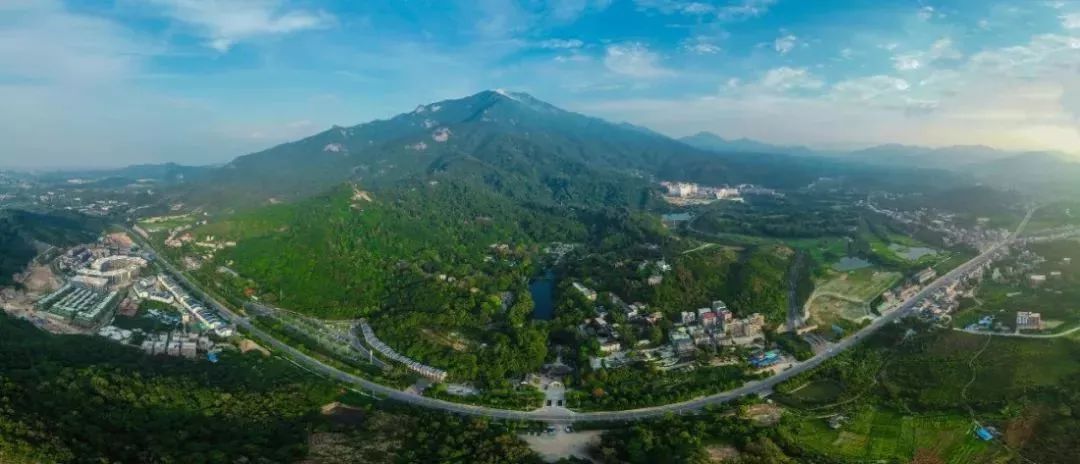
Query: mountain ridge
(512, 131)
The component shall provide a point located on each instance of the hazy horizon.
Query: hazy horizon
(110, 84)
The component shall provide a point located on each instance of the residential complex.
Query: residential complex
(84, 306)
(208, 317)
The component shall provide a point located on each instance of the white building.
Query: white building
(1028, 320)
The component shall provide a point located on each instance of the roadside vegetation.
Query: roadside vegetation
(83, 399)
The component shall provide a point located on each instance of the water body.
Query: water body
(911, 253)
(676, 217)
(542, 289)
(851, 263)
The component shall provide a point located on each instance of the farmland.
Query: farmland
(872, 434)
(914, 389)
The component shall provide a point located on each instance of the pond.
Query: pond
(911, 253)
(542, 289)
(676, 217)
(851, 263)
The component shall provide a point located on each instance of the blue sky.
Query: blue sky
(91, 83)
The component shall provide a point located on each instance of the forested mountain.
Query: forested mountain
(511, 142)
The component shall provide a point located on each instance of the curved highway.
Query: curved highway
(566, 416)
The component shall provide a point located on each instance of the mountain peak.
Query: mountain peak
(510, 94)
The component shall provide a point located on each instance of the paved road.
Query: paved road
(795, 312)
(690, 406)
(1020, 335)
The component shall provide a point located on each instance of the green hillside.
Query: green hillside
(512, 142)
(337, 254)
(23, 234)
(88, 400)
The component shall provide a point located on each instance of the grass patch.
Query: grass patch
(885, 435)
(814, 394)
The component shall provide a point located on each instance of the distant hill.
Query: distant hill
(1032, 171)
(1041, 172)
(165, 174)
(713, 142)
(950, 157)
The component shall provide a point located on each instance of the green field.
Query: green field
(847, 295)
(862, 284)
(814, 394)
(1053, 216)
(871, 434)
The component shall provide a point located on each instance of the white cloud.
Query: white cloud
(926, 12)
(906, 62)
(867, 89)
(728, 11)
(701, 45)
(940, 50)
(943, 49)
(569, 10)
(1071, 21)
(1025, 96)
(785, 78)
(226, 23)
(560, 44)
(71, 93)
(634, 59)
(1045, 56)
(49, 45)
(744, 9)
(697, 8)
(785, 43)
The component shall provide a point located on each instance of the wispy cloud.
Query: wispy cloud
(701, 45)
(926, 12)
(940, 50)
(785, 43)
(1018, 96)
(744, 9)
(560, 44)
(226, 23)
(1071, 21)
(50, 45)
(867, 89)
(634, 59)
(730, 10)
(786, 78)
